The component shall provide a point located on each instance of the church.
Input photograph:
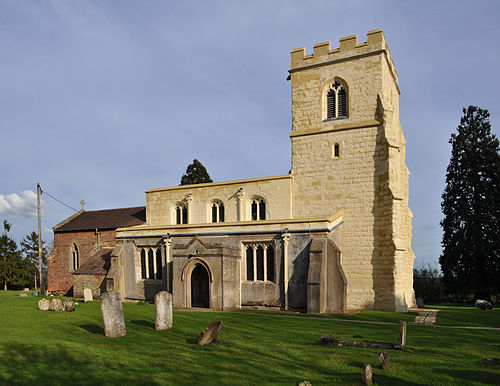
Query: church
(333, 235)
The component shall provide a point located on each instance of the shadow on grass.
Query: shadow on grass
(471, 375)
(144, 323)
(93, 328)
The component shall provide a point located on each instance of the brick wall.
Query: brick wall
(59, 275)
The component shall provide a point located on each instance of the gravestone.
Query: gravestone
(87, 295)
(112, 314)
(210, 334)
(402, 335)
(420, 302)
(163, 314)
(385, 362)
(56, 305)
(483, 304)
(367, 375)
(43, 305)
(23, 295)
(68, 305)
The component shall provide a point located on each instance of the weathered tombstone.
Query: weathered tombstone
(43, 305)
(56, 305)
(402, 335)
(163, 314)
(112, 314)
(367, 375)
(87, 295)
(210, 334)
(23, 295)
(385, 362)
(420, 302)
(68, 305)
(304, 383)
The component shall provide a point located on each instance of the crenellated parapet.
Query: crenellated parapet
(348, 48)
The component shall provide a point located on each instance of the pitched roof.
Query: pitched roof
(103, 219)
(98, 264)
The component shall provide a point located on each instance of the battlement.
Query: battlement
(348, 48)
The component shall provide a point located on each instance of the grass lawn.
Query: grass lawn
(45, 347)
(467, 316)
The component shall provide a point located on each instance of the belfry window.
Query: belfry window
(74, 258)
(258, 209)
(336, 101)
(181, 214)
(260, 262)
(217, 211)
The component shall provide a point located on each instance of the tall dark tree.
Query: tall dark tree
(29, 247)
(470, 260)
(196, 173)
(11, 265)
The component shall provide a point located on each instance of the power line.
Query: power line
(59, 201)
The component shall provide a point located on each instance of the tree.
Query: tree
(196, 173)
(30, 251)
(11, 265)
(470, 260)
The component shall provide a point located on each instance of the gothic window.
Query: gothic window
(151, 263)
(258, 208)
(74, 258)
(181, 214)
(217, 211)
(260, 262)
(336, 101)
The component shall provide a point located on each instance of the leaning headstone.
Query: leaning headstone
(367, 375)
(210, 334)
(402, 335)
(43, 304)
(23, 295)
(112, 314)
(163, 314)
(68, 305)
(385, 362)
(420, 302)
(56, 305)
(87, 295)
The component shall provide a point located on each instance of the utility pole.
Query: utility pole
(40, 262)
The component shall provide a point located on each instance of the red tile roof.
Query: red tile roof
(98, 264)
(103, 219)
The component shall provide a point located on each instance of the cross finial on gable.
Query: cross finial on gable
(83, 205)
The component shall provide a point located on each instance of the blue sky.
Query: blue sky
(101, 100)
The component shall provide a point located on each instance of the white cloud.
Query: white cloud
(23, 204)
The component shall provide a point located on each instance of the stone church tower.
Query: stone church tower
(348, 153)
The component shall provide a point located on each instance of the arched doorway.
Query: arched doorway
(199, 287)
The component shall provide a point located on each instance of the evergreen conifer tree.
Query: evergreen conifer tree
(29, 247)
(196, 173)
(11, 266)
(470, 259)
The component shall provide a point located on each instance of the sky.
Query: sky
(101, 100)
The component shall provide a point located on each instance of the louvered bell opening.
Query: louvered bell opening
(342, 103)
(330, 104)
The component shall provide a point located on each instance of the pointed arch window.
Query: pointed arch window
(181, 214)
(74, 257)
(217, 211)
(336, 101)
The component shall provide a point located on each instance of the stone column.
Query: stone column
(112, 314)
(155, 275)
(167, 282)
(163, 314)
(264, 247)
(146, 255)
(286, 239)
(254, 247)
(239, 209)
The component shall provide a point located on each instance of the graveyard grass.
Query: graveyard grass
(58, 348)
